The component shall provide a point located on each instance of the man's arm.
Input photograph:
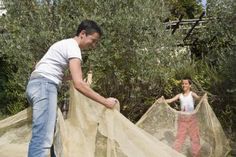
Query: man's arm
(175, 98)
(83, 87)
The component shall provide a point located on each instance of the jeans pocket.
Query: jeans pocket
(33, 91)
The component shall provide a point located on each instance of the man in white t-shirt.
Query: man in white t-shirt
(46, 78)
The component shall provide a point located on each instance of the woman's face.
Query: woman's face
(186, 85)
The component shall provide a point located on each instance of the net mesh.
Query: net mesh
(198, 133)
(91, 130)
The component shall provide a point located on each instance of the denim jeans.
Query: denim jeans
(42, 95)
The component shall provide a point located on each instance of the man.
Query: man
(46, 78)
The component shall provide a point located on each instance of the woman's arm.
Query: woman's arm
(175, 98)
(195, 96)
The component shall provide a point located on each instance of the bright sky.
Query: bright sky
(204, 3)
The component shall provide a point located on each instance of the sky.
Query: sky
(204, 3)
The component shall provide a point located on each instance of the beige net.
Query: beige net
(90, 130)
(15, 133)
(94, 131)
(194, 134)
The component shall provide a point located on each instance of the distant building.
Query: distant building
(2, 8)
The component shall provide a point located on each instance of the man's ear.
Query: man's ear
(83, 33)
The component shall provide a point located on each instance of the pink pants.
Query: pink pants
(188, 125)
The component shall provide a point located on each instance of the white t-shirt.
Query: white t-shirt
(186, 102)
(55, 61)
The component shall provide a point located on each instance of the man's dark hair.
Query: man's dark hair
(187, 78)
(90, 27)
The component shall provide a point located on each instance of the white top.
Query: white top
(186, 102)
(56, 60)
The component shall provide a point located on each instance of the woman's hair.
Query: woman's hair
(189, 79)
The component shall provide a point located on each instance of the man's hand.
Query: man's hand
(111, 102)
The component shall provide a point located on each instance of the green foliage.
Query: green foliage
(188, 8)
(125, 63)
(22, 44)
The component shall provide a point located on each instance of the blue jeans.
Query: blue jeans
(42, 95)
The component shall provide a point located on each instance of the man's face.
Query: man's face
(89, 41)
(186, 85)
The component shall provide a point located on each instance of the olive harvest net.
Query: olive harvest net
(197, 133)
(91, 130)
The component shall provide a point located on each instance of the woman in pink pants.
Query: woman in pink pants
(187, 124)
